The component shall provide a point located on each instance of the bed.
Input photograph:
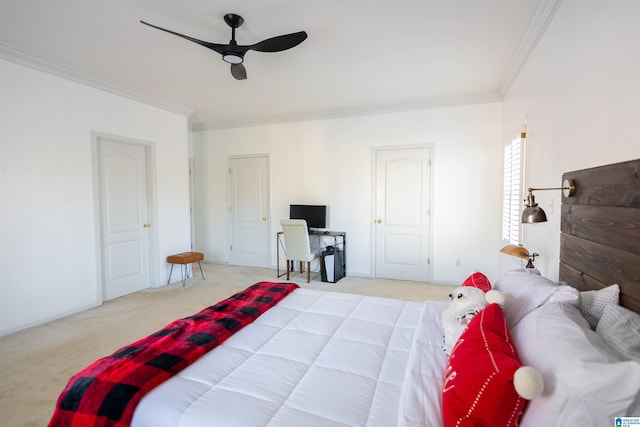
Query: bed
(330, 359)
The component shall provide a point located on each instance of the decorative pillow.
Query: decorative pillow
(586, 383)
(592, 303)
(524, 292)
(479, 386)
(620, 328)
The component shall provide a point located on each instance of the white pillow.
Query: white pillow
(620, 328)
(528, 270)
(566, 294)
(592, 303)
(585, 381)
(524, 292)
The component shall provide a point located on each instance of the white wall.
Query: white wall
(48, 243)
(330, 162)
(581, 92)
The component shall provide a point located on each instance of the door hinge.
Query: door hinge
(229, 171)
(428, 261)
(231, 248)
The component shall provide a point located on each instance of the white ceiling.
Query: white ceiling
(360, 56)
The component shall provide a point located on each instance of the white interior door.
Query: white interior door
(250, 211)
(402, 223)
(124, 217)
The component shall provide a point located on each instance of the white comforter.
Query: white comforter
(315, 359)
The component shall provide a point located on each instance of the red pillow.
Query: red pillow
(478, 386)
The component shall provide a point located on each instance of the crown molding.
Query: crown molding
(350, 112)
(23, 57)
(537, 26)
(539, 23)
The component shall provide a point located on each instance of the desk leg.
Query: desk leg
(344, 255)
(279, 245)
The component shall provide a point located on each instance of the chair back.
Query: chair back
(296, 239)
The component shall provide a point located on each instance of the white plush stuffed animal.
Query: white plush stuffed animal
(466, 301)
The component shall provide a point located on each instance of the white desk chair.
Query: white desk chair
(296, 243)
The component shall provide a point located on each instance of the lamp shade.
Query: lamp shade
(533, 214)
(518, 251)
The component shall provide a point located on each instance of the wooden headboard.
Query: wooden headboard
(600, 231)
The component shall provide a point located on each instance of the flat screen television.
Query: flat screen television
(315, 215)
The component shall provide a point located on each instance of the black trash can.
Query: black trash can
(332, 265)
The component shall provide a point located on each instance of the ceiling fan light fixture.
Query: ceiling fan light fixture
(232, 58)
(232, 53)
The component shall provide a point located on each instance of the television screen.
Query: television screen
(315, 215)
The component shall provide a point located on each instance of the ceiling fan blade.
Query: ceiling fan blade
(238, 71)
(220, 48)
(279, 43)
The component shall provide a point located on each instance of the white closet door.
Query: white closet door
(250, 211)
(402, 206)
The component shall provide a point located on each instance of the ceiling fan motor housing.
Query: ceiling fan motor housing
(233, 20)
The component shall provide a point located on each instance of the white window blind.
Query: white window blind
(512, 195)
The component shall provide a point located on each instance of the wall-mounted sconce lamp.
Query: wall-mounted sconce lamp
(533, 213)
(521, 252)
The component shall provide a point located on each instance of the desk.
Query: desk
(339, 243)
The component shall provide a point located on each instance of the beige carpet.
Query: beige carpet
(35, 364)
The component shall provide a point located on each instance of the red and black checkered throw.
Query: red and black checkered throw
(107, 391)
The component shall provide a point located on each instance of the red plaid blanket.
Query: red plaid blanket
(106, 392)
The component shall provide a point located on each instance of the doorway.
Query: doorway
(124, 215)
(402, 209)
(249, 210)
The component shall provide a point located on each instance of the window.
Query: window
(512, 193)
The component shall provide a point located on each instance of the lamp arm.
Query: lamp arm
(568, 185)
(542, 189)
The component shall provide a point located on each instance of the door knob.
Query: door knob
(379, 221)
(264, 218)
(146, 225)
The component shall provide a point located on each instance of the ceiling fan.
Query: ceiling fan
(233, 53)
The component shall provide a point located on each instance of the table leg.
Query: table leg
(199, 265)
(170, 272)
